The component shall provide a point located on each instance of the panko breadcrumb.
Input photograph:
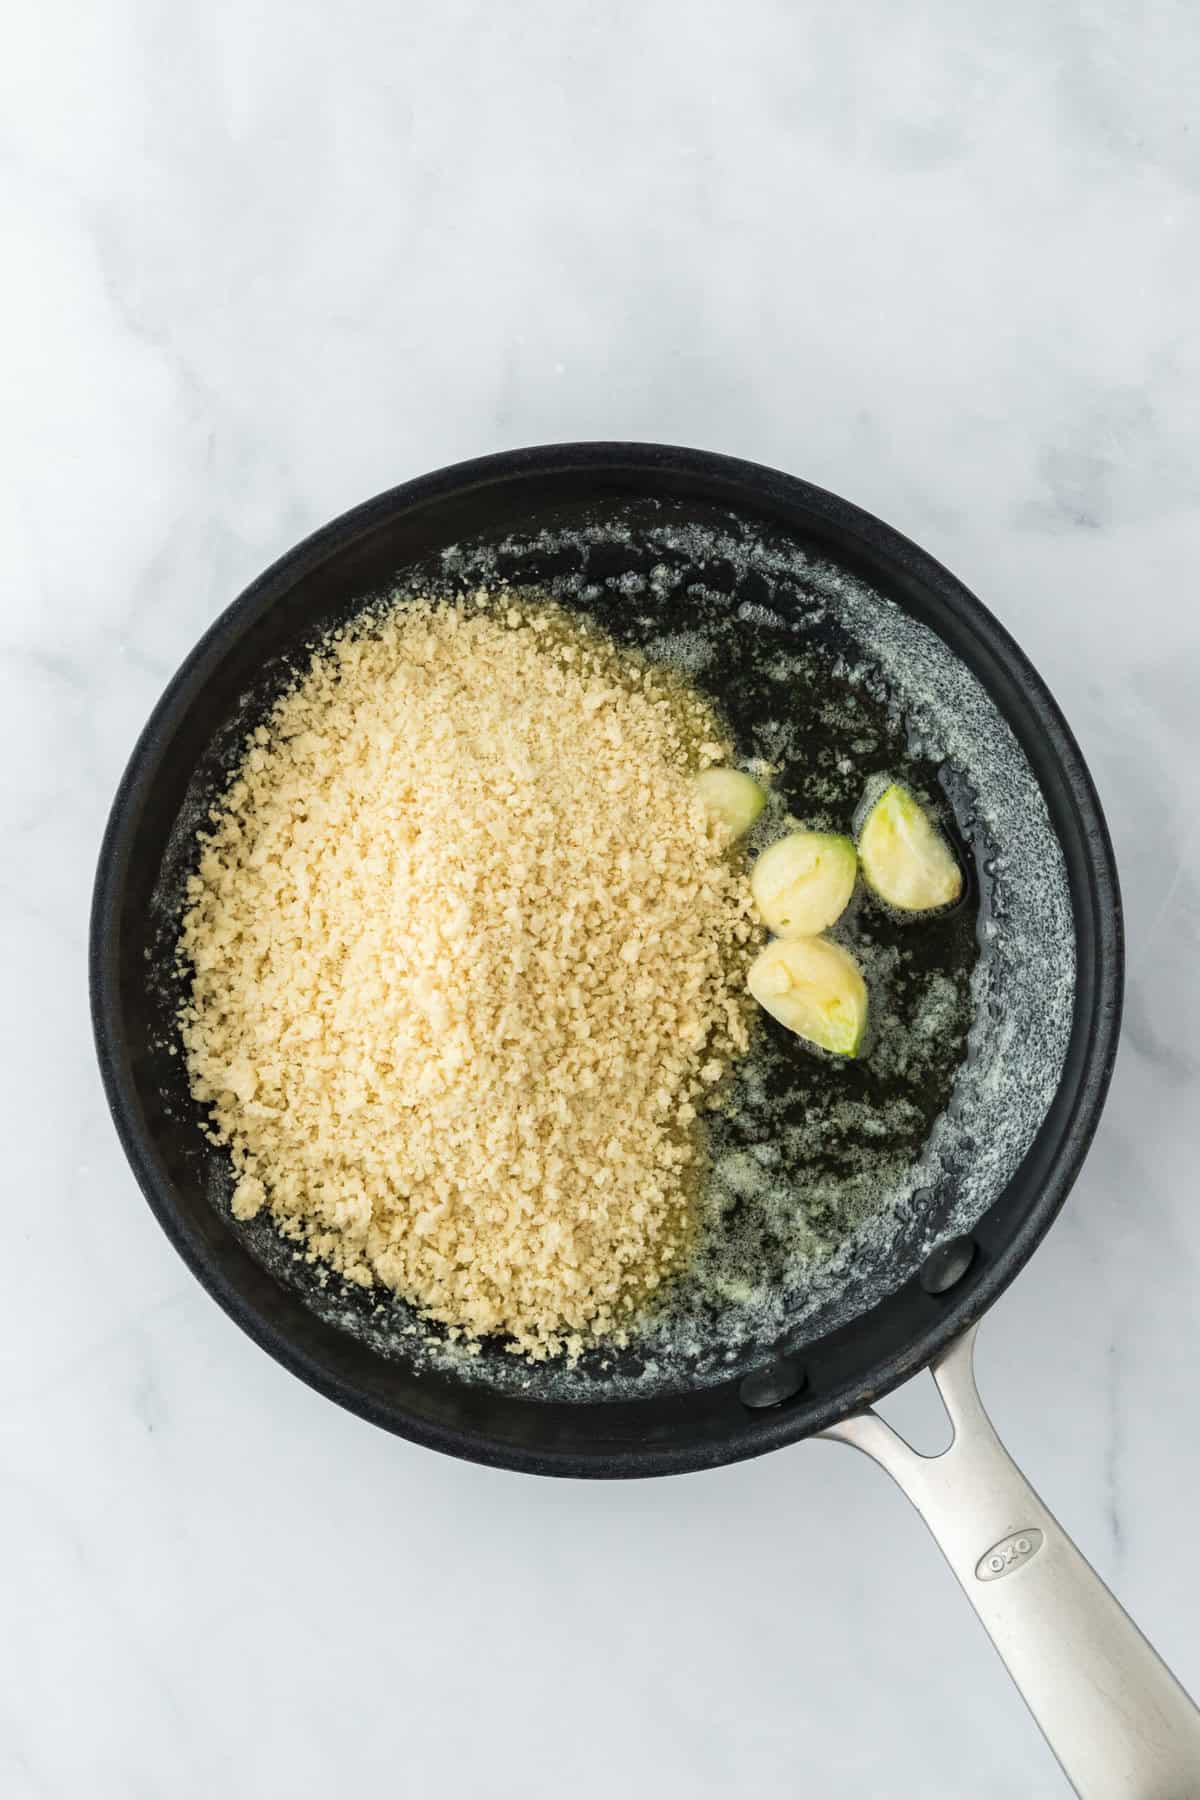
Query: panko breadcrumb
(467, 957)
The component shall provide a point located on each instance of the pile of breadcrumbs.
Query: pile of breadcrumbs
(466, 956)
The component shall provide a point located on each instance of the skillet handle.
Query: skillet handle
(1112, 1712)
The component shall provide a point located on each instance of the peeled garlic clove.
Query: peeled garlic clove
(815, 988)
(733, 798)
(803, 883)
(904, 857)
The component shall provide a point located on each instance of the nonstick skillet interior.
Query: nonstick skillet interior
(595, 522)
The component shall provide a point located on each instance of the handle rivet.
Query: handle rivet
(944, 1267)
(771, 1386)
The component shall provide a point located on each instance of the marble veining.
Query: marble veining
(264, 260)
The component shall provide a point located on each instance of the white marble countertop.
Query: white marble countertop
(266, 259)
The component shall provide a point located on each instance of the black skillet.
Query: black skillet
(1116, 1718)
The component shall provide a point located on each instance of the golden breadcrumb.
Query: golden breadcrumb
(467, 958)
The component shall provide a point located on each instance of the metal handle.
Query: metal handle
(1112, 1712)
